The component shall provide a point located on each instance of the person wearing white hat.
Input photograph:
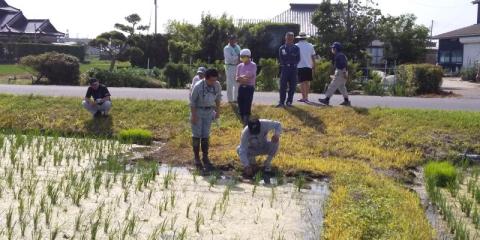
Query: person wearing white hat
(246, 77)
(231, 53)
(306, 66)
(198, 77)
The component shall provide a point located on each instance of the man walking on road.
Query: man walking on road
(289, 57)
(231, 53)
(340, 78)
(306, 65)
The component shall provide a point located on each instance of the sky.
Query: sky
(88, 18)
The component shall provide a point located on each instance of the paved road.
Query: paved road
(467, 104)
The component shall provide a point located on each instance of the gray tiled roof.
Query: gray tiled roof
(470, 31)
(12, 20)
(298, 13)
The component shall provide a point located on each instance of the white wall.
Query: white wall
(471, 51)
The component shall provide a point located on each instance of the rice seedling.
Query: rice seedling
(273, 197)
(53, 192)
(256, 182)
(94, 229)
(453, 188)
(54, 232)
(183, 234)
(477, 195)
(35, 219)
(9, 223)
(163, 226)
(213, 179)
(187, 214)
(131, 224)
(476, 217)
(198, 222)
(214, 211)
(465, 205)
(173, 197)
(48, 214)
(173, 221)
(97, 183)
(106, 223)
(299, 182)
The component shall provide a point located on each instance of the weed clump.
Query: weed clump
(442, 174)
(136, 136)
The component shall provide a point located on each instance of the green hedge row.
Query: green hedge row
(14, 51)
(420, 78)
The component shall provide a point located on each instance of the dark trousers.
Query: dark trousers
(245, 99)
(288, 80)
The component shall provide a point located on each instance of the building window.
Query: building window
(377, 55)
(457, 57)
(444, 57)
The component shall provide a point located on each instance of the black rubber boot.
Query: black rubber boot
(206, 161)
(196, 153)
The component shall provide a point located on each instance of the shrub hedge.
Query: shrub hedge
(420, 78)
(177, 75)
(59, 68)
(13, 51)
(469, 74)
(267, 79)
(126, 77)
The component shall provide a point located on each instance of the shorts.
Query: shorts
(305, 75)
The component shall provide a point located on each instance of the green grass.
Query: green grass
(136, 136)
(12, 69)
(441, 173)
(352, 146)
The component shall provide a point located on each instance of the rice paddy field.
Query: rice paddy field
(66, 175)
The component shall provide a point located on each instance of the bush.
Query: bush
(136, 136)
(177, 75)
(126, 77)
(420, 78)
(469, 74)
(321, 76)
(374, 86)
(441, 173)
(14, 51)
(267, 79)
(58, 68)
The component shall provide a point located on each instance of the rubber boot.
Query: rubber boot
(196, 153)
(206, 162)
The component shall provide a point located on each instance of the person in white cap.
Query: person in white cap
(306, 66)
(231, 53)
(198, 77)
(246, 77)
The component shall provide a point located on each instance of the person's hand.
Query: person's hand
(275, 138)
(194, 119)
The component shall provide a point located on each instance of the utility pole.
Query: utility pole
(431, 30)
(156, 20)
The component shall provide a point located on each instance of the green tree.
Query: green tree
(355, 29)
(184, 41)
(116, 45)
(155, 49)
(405, 41)
(213, 35)
(133, 21)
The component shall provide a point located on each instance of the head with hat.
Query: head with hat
(302, 36)
(336, 47)
(201, 72)
(245, 55)
(254, 125)
(94, 83)
(232, 39)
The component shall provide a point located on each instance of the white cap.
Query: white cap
(246, 52)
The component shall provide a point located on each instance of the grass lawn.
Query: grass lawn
(354, 147)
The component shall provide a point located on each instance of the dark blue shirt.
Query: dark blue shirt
(341, 61)
(289, 54)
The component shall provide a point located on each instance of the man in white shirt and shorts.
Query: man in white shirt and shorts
(306, 66)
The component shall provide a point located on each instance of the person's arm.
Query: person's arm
(88, 97)
(107, 95)
(276, 127)
(243, 149)
(297, 57)
(193, 103)
(280, 56)
(218, 100)
(226, 54)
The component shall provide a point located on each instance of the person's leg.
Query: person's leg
(271, 150)
(307, 89)
(205, 140)
(249, 100)
(105, 107)
(292, 85)
(196, 152)
(242, 101)
(231, 83)
(88, 107)
(343, 90)
(283, 86)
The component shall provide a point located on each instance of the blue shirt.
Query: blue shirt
(341, 61)
(289, 54)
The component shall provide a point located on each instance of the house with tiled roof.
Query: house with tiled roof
(299, 13)
(14, 25)
(460, 48)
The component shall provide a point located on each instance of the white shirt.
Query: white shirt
(306, 53)
(232, 54)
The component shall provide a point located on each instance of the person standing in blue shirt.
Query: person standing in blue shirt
(289, 57)
(340, 78)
